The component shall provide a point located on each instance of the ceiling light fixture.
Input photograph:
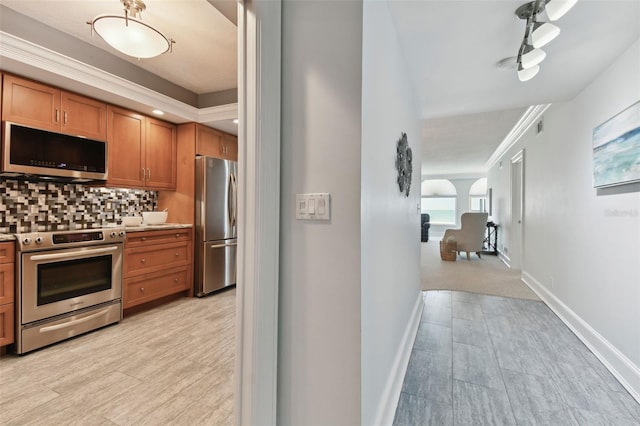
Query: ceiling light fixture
(537, 34)
(129, 35)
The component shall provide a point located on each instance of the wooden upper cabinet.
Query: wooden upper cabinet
(30, 103)
(208, 141)
(142, 151)
(230, 143)
(214, 143)
(161, 154)
(83, 116)
(125, 145)
(48, 108)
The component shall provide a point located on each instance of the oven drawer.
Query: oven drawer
(44, 333)
(142, 260)
(148, 287)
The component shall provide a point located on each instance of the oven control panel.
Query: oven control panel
(49, 240)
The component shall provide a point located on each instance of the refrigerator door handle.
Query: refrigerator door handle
(229, 198)
(234, 200)
(223, 245)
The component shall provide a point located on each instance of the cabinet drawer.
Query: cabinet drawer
(152, 238)
(6, 324)
(7, 252)
(148, 287)
(7, 283)
(141, 260)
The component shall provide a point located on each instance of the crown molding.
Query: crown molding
(531, 116)
(40, 58)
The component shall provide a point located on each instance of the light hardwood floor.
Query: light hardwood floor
(173, 364)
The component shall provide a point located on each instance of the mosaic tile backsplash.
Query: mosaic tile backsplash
(28, 206)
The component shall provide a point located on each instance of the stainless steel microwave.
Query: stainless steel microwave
(31, 152)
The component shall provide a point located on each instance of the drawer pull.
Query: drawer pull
(175, 280)
(141, 289)
(177, 235)
(143, 260)
(177, 254)
(144, 238)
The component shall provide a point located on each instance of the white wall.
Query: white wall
(390, 220)
(582, 246)
(319, 304)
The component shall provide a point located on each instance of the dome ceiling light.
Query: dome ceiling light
(129, 35)
(537, 34)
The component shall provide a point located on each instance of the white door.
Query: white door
(517, 207)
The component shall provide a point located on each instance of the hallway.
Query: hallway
(489, 360)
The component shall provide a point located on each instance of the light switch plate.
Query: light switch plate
(314, 206)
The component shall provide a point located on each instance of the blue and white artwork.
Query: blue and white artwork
(616, 149)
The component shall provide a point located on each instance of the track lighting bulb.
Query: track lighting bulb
(526, 74)
(543, 33)
(557, 8)
(531, 56)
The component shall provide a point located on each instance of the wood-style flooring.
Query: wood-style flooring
(173, 364)
(489, 360)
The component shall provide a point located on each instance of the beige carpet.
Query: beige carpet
(487, 275)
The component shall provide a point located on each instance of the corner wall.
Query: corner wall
(319, 294)
(581, 248)
(390, 227)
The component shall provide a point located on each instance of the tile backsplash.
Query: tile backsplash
(28, 206)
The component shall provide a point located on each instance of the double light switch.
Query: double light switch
(316, 206)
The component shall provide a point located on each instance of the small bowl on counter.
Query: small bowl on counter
(154, 218)
(131, 220)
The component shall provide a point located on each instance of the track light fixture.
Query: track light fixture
(537, 33)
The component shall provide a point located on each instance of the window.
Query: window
(478, 196)
(439, 200)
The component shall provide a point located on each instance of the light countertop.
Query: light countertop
(7, 237)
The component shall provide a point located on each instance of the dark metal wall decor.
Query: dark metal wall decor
(404, 159)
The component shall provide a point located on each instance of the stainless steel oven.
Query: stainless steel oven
(69, 282)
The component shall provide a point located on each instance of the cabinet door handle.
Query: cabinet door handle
(177, 254)
(143, 260)
(144, 174)
(141, 289)
(57, 115)
(175, 280)
(65, 117)
(148, 174)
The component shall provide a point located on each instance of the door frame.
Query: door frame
(259, 52)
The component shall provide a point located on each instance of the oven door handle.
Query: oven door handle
(73, 253)
(74, 322)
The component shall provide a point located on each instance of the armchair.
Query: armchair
(471, 234)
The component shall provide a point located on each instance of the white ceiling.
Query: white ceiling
(204, 57)
(451, 47)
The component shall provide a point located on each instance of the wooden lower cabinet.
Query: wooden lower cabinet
(157, 264)
(7, 299)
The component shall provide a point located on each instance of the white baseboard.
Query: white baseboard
(504, 258)
(391, 395)
(627, 373)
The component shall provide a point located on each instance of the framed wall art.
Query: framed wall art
(616, 149)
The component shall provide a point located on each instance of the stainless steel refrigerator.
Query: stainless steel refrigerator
(216, 225)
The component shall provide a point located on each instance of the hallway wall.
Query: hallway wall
(582, 245)
(390, 260)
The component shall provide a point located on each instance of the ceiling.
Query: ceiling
(451, 47)
(469, 104)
